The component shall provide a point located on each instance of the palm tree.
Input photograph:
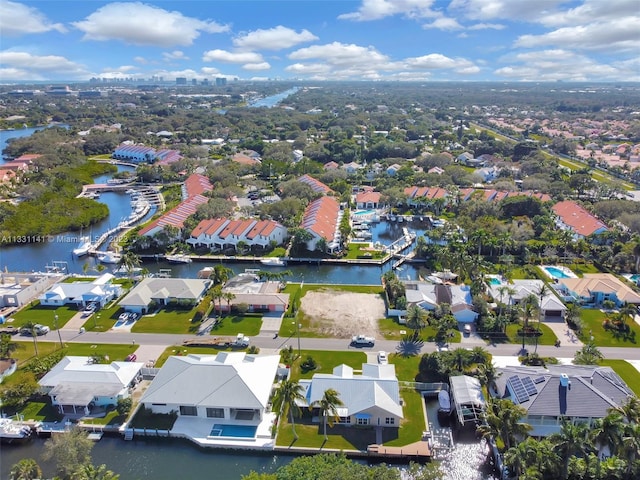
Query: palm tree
(220, 274)
(608, 431)
(416, 319)
(25, 469)
(228, 297)
(502, 419)
(573, 439)
(630, 410)
(588, 355)
(216, 294)
(91, 472)
(328, 406)
(529, 304)
(129, 261)
(287, 395)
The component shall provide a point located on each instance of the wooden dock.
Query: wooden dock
(418, 451)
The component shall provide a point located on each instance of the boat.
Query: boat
(205, 272)
(83, 246)
(178, 258)
(273, 262)
(12, 432)
(444, 401)
(109, 257)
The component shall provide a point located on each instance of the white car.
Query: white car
(467, 329)
(382, 358)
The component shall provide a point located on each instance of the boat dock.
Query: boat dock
(417, 451)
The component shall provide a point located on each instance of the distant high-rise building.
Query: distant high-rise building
(194, 81)
(205, 81)
(221, 82)
(181, 80)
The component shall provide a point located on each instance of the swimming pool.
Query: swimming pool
(635, 277)
(238, 431)
(556, 272)
(364, 212)
(494, 281)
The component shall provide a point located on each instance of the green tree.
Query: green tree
(286, 397)
(7, 346)
(16, 394)
(25, 469)
(588, 355)
(502, 419)
(220, 274)
(70, 451)
(124, 405)
(92, 472)
(328, 407)
(572, 440)
(417, 318)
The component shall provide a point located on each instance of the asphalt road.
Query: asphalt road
(268, 342)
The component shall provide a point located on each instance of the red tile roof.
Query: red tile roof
(368, 197)
(197, 184)
(577, 218)
(316, 185)
(321, 217)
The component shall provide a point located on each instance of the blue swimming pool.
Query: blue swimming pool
(364, 212)
(238, 431)
(635, 278)
(494, 281)
(556, 272)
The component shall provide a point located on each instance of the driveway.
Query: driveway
(564, 334)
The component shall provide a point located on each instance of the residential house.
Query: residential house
(258, 295)
(464, 158)
(351, 168)
(99, 291)
(322, 220)
(77, 386)
(436, 170)
(428, 296)
(393, 169)
(221, 233)
(193, 190)
(330, 165)
(427, 197)
(316, 185)
(151, 292)
(513, 292)
(211, 393)
(552, 394)
(573, 217)
(487, 174)
(17, 289)
(368, 200)
(594, 288)
(369, 399)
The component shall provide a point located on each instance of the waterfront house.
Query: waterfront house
(369, 399)
(426, 197)
(577, 393)
(316, 185)
(322, 220)
(368, 199)
(594, 288)
(221, 233)
(193, 195)
(573, 217)
(259, 296)
(155, 292)
(17, 289)
(213, 394)
(428, 296)
(77, 386)
(99, 292)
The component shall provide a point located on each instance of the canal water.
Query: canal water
(157, 459)
(272, 100)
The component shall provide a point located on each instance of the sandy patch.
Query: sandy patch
(343, 314)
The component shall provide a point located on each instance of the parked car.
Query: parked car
(467, 329)
(38, 329)
(132, 357)
(9, 330)
(382, 358)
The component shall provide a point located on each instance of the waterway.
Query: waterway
(272, 100)
(5, 135)
(158, 459)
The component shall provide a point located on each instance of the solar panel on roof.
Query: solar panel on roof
(518, 389)
(538, 380)
(529, 386)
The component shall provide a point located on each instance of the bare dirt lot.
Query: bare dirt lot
(343, 314)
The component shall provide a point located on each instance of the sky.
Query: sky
(393, 40)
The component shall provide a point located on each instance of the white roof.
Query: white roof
(79, 370)
(163, 288)
(228, 379)
(376, 389)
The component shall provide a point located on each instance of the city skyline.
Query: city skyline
(394, 40)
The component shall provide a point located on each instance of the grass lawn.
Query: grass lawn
(41, 411)
(277, 252)
(592, 319)
(26, 349)
(104, 319)
(167, 320)
(233, 324)
(112, 418)
(406, 367)
(44, 315)
(115, 352)
(390, 329)
(627, 372)
(182, 350)
(547, 337)
(362, 250)
(581, 268)
(327, 361)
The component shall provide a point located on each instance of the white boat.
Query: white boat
(11, 431)
(364, 234)
(444, 402)
(83, 246)
(273, 262)
(109, 257)
(178, 258)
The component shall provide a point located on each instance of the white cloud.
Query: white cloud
(140, 60)
(231, 57)
(437, 61)
(593, 10)
(487, 26)
(173, 56)
(561, 64)
(276, 38)
(141, 24)
(619, 36)
(308, 69)
(17, 19)
(377, 9)
(526, 10)
(444, 23)
(256, 66)
(24, 65)
(209, 70)
(342, 55)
